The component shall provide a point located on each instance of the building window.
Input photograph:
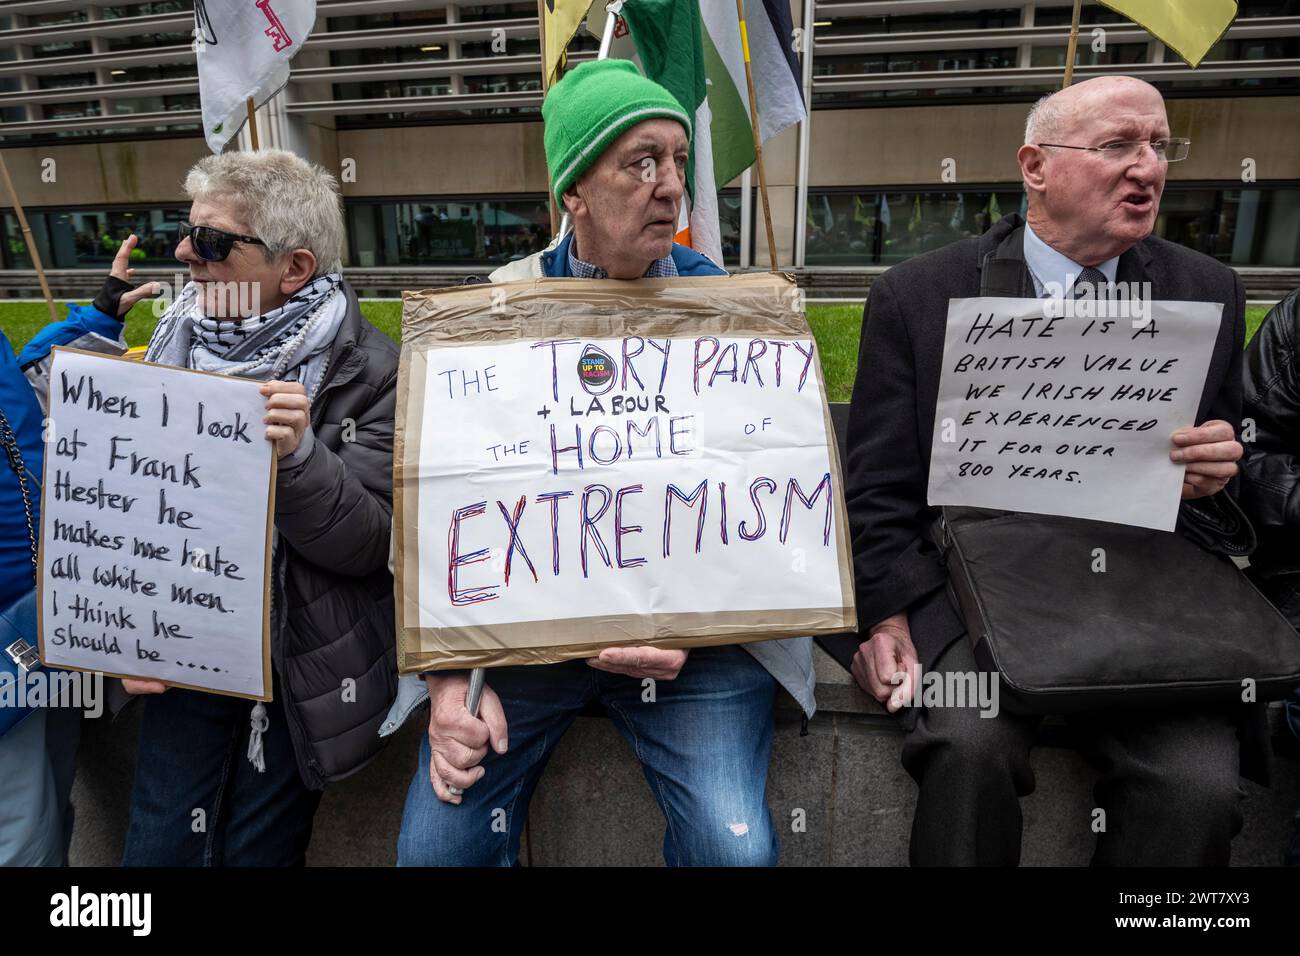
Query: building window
(447, 232)
(1003, 19)
(147, 9)
(442, 51)
(848, 228)
(61, 48)
(89, 238)
(61, 81)
(1255, 226)
(1085, 55)
(729, 225)
(147, 40)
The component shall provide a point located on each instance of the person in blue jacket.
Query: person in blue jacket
(37, 756)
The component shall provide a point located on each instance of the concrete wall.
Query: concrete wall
(94, 174)
(907, 145)
(900, 146)
(476, 159)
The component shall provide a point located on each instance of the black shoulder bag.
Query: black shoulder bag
(1079, 615)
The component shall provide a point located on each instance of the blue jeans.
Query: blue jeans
(193, 757)
(37, 763)
(704, 745)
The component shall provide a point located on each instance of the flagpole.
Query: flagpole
(252, 122)
(30, 240)
(556, 224)
(746, 218)
(758, 140)
(805, 139)
(613, 8)
(1074, 42)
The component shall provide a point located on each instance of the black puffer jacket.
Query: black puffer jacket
(332, 599)
(1270, 493)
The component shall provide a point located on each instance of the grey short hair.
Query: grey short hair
(285, 201)
(1044, 120)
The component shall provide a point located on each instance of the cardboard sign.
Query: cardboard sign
(1068, 409)
(156, 516)
(590, 463)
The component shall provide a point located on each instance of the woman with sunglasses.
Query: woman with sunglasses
(266, 300)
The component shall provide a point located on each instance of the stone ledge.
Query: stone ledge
(593, 807)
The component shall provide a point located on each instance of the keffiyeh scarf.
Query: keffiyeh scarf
(290, 343)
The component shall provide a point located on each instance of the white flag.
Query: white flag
(243, 49)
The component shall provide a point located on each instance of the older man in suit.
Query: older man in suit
(1093, 164)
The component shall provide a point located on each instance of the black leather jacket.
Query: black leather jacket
(1270, 493)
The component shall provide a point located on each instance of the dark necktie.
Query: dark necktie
(1091, 284)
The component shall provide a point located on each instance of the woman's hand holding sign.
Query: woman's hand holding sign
(136, 686)
(288, 412)
(1210, 452)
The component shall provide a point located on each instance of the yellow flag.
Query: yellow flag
(560, 19)
(1188, 27)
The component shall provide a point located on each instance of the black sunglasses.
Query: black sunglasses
(211, 245)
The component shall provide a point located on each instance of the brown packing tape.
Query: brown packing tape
(531, 643)
(764, 304)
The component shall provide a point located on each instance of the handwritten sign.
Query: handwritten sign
(1056, 410)
(584, 464)
(155, 524)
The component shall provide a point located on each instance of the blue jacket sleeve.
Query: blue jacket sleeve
(82, 320)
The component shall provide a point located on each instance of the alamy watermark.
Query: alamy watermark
(943, 689)
(81, 690)
(1109, 300)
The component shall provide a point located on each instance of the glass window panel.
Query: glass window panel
(829, 25)
(1257, 226)
(473, 233)
(89, 238)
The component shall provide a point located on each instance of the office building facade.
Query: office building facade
(429, 113)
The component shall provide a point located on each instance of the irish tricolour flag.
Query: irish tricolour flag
(693, 48)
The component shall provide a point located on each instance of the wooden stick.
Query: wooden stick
(1074, 42)
(758, 139)
(28, 238)
(252, 122)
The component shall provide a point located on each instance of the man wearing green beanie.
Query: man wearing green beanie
(616, 149)
(700, 723)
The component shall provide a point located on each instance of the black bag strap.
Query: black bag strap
(1003, 271)
(14, 455)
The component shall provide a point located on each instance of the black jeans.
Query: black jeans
(199, 802)
(1168, 782)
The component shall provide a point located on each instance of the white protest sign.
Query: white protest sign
(155, 522)
(578, 489)
(1067, 408)
(701, 475)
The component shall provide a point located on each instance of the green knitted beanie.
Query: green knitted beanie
(594, 104)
